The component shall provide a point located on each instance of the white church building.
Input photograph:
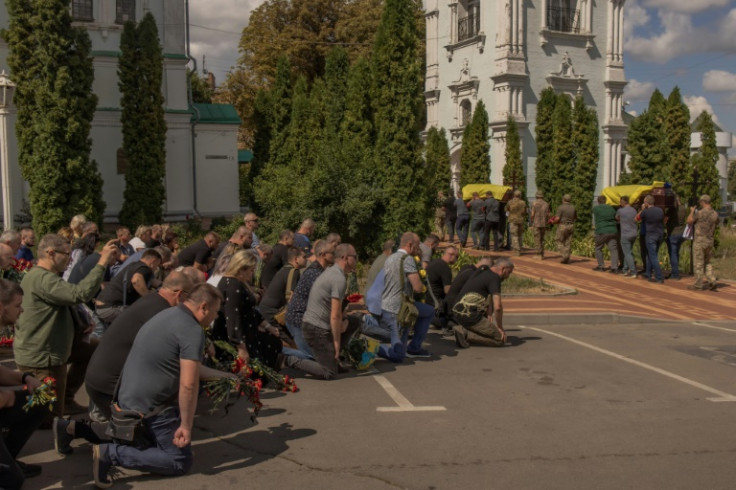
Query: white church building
(505, 52)
(201, 144)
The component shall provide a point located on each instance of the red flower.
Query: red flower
(354, 298)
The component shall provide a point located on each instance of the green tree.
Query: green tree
(513, 170)
(475, 159)
(705, 178)
(677, 132)
(585, 140)
(51, 65)
(140, 74)
(544, 130)
(280, 109)
(732, 180)
(397, 95)
(261, 154)
(563, 152)
(437, 156)
(202, 93)
(647, 143)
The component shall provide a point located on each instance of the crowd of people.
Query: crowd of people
(140, 323)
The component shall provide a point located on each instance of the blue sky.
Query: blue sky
(688, 43)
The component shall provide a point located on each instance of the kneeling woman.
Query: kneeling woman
(239, 321)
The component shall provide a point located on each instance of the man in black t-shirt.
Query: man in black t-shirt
(125, 288)
(278, 292)
(439, 276)
(478, 309)
(199, 253)
(279, 258)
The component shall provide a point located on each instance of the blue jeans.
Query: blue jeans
(164, 458)
(476, 232)
(653, 242)
(303, 352)
(627, 244)
(396, 351)
(673, 247)
(462, 229)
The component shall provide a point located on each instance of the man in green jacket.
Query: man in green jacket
(605, 234)
(46, 328)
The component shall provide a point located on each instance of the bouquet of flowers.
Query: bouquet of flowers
(354, 298)
(43, 395)
(221, 389)
(18, 270)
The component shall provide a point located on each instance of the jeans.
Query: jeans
(653, 242)
(491, 230)
(673, 247)
(323, 346)
(163, 458)
(304, 351)
(373, 327)
(451, 228)
(396, 351)
(20, 425)
(462, 229)
(476, 232)
(627, 243)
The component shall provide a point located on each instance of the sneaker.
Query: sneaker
(100, 468)
(62, 439)
(29, 470)
(460, 337)
(632, 275)
(418, 353)
(599, 268)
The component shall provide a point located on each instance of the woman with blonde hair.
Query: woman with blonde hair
(239, 321)
(76, 225)
(222, 262)
(142, 235)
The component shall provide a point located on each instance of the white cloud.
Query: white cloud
(635, 16)
(719, 81)
(687, 6)
(215, 31)
(697, 104)
(637, 91)
(677, 38)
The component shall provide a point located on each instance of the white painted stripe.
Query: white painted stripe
(722, 396)
(700, 324)
(404, 405)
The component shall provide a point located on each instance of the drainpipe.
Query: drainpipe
(190, 101)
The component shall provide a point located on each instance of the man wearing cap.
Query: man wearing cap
(516, 209)
(539, 217)
(704, 220)
(565, 219)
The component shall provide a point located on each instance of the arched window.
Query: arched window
(124, 11)
(466, 112)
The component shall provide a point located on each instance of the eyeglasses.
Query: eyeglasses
(61, 252)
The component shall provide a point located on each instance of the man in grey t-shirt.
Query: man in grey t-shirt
(324, 325)
(626, 216)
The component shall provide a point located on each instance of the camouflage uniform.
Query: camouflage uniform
(540, 215)
(517, 216)
(705, 223)
(567, 216)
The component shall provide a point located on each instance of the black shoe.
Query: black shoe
(62, 439)
(599, 268)
(100, 468)
(29, 470)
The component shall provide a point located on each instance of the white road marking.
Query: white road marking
(722, 396)
(700, 324)
(404, 405)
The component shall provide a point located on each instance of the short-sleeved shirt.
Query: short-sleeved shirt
(449, 205)
(605, 219)
(627, 219)
(457, 284)
(274, 298)
(109, 357)
(426, 252)
(198, 252)
(300, 298)
(461, 208)
(439, 275)
(706, 220)
(566, 213)
(653, 219)
(150, 377)
(517, 210)
(331, 284)
(302, 242)
(391, 296)
(492, 209)
(541, 213)
(475, 296)
(279, 259)
(113, 293)
(476, 205)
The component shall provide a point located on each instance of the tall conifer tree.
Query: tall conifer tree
(705, 178)
(586, 143)
(475, 159)
(513, 171)
(398, 99)
(51, 65)
(563, 156)
(140, 74)
(677, 132)
(544, 130)
(438, 163)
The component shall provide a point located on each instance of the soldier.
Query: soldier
(704, 221)
(539, 217)
(516, 208)
(565, 218)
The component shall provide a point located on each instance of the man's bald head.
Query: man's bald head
(6, 256)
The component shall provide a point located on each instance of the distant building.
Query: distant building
(505, 52)
(201, 144)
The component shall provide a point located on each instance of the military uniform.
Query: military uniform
(705, 223)
(540, 216)
(517, 216)
(566, 224)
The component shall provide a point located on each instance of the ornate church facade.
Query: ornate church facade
(505, 52)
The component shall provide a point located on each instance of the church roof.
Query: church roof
(215, 114)
(694, 124)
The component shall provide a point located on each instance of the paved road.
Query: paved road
(606, 406)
